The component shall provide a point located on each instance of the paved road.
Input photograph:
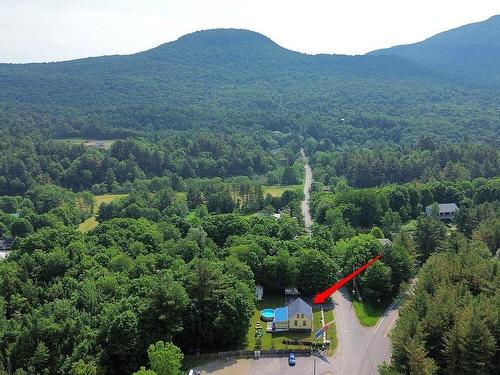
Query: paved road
(360, 349)
(307, 189)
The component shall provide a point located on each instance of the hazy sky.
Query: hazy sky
(51, 30)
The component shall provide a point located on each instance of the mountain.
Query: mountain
(197, 62)
(229, 78)
(470, 52)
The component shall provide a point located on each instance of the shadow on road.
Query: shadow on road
(322, 357)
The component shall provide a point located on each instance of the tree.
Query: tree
(469, 347)
(194, 197)
(466, 220)
(488, 231)
(165, 358)
(220, 227)
(40, 359)
(83, 368)
(376, 282)
(143, 371)
(278, 271)
(118, 337)
(377, 232)
(316, 270)
(110, 179)
(289, 176)
(429, 235)
(391, 222)
(162, 309)
(21, 228)
(217, 301)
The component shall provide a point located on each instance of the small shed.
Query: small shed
(259, 292)
(291, 291)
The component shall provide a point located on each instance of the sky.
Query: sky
(55, 30)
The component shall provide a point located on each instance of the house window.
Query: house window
(304, 323)
(295, 323)
(302, 316)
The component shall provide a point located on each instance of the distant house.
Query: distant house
(5, 246)
(259, 292)
(297, 316)
(385, 241)
(446, 211)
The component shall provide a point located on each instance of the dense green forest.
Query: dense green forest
(202, 139)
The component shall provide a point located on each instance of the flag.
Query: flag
(322, 330)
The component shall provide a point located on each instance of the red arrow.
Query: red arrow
(321, 297)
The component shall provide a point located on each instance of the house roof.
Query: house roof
(281, 314)
(385, 241)
(444, 207)
(299, 306)
(6, 243)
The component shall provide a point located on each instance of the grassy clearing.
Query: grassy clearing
(99, 199)
(410, 226)
(96, 143)
(275, 340)
(368, 315)
(91, 222)
(278, 190)
(88, 224)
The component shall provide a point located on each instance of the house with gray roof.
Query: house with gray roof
(296, 316)
(446, 211)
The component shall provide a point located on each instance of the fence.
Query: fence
(250, 353)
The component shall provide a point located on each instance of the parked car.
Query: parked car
(291, 359)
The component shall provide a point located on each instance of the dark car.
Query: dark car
(291, 359)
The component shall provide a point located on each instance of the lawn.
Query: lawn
(275, 339)
(368, 315)
(91, 222)
(278, 190)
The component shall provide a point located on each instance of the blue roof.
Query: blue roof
(281, 314)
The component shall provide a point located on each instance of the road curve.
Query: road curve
(307, 196)
(360, 349)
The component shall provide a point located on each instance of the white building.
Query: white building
(259, 292)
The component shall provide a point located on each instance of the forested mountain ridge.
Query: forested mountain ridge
(213, 58)
(230, 78)
(471, 52)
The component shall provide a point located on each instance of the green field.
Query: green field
(91, 222)
(275, 340)
(278, 190)
(368, 315)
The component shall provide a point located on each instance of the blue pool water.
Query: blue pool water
(267, 314)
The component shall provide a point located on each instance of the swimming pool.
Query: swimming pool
(267, 315)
